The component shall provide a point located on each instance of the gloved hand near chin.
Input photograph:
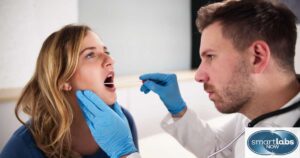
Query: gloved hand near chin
(166, 86)
(108, 126)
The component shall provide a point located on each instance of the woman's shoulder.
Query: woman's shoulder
(21, 144)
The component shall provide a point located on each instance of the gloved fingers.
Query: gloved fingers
(118, 110)
(103, 110)
(90, 124)
(87, 114)
(154, 76)
(144, 89)
(97, 101)
(152, 86)
(86, 105)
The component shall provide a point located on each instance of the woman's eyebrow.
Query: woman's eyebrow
(87, 48)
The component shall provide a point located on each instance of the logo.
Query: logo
(272, 142)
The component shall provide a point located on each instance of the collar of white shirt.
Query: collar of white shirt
(284, 120)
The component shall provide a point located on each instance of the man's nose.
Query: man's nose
(201, 75)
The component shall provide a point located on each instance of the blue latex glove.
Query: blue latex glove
(166, 86)
(108, 126)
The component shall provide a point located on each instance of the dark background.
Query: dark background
(196, 4)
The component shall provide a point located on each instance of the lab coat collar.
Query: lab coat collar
(284, 120)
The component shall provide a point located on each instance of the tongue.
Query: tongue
(109, 86)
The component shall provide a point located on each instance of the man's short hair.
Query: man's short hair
(245, 21)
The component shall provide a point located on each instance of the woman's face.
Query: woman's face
(95, 67)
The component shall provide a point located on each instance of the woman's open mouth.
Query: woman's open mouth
(109, 81)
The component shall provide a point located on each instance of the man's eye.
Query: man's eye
(210, 57)
(90, 55)
(107, 52)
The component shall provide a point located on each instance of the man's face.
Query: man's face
(95, 67)
(224, 71)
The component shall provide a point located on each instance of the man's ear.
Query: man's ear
(67, 87)
(260, 56)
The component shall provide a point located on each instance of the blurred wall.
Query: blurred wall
(142, 35)
(24, 26)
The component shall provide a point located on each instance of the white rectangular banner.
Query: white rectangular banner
(272, 142)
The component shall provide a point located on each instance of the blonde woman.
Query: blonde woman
(71, 59)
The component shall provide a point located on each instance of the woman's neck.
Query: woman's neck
(82, 139)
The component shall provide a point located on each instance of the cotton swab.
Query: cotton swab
(127, 83)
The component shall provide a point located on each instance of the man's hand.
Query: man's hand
(166, 86)
(109, 127)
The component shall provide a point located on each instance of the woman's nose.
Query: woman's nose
(108, 61)
(201, 75)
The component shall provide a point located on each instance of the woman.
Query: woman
(71, 59)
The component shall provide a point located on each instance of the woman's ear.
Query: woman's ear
(67, 87)
(260, 56)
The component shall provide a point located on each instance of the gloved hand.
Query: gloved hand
(108, 126)
(166, 86)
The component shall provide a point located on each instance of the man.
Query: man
(247, 51)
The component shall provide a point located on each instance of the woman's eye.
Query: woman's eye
(107, 52)
(90, 55)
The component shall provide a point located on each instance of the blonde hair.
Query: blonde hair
(43, 98)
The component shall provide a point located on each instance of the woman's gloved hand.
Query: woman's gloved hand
(108, 126)
(166, 86)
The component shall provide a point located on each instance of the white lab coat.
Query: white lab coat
(199, 138)
(202, 140)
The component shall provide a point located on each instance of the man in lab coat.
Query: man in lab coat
(247, 52)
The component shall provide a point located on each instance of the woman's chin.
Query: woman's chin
(110, 102)
(111, 105)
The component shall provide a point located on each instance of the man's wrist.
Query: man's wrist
(180, 114)
(133, 155)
